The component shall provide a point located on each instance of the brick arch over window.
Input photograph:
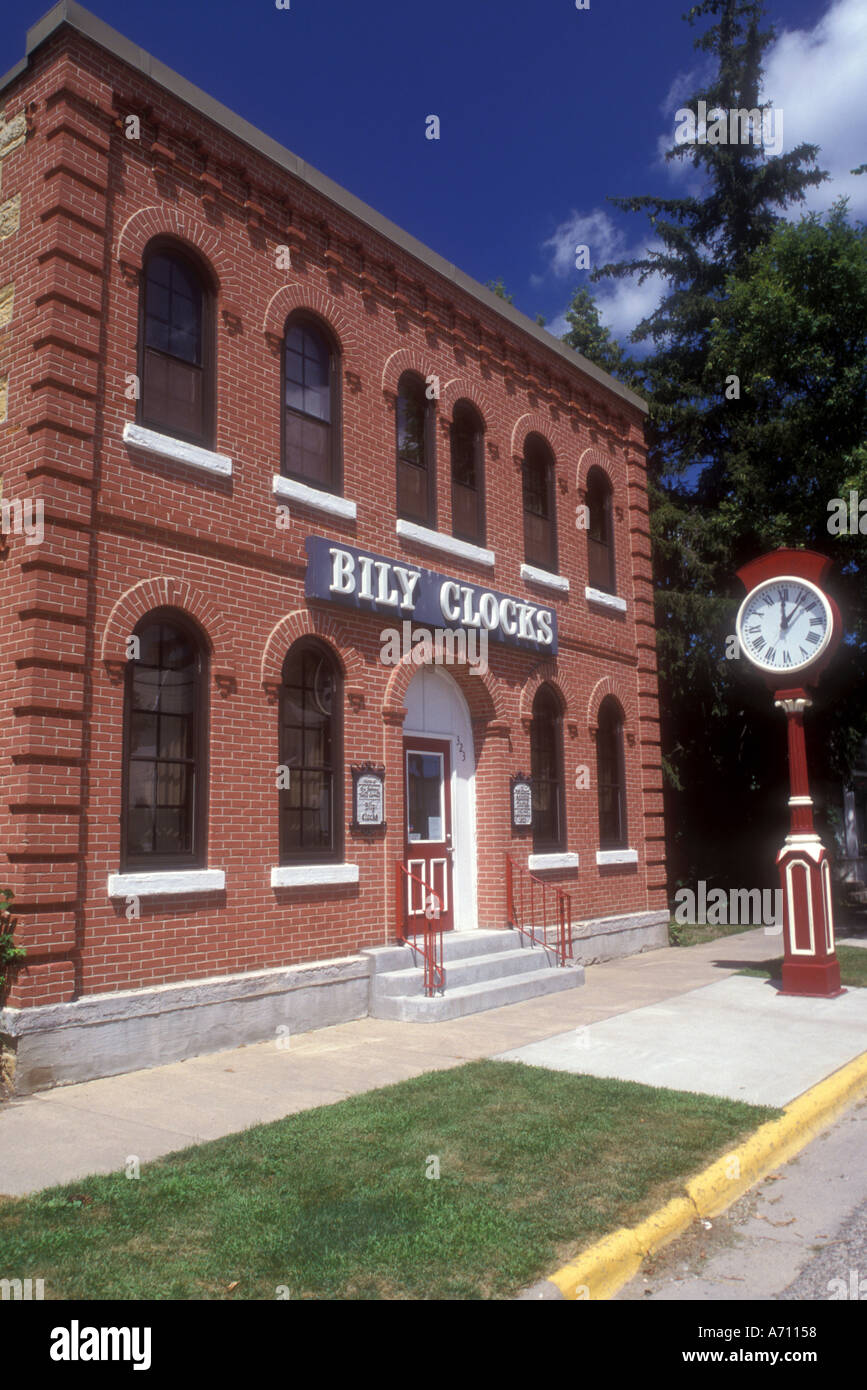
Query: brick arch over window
(480, 692)
(594, 458)
(297, 296)
(460, 388)
(306, 623)
(549, 672)
(625, 699)
(535, 423)
(151, 222)
(405, 360)
(166, 592)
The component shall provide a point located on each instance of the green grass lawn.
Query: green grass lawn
(334, 1203)
(853, 967)
(695, 934)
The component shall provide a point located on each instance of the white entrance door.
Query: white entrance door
(436, 709)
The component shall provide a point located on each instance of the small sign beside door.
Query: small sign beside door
(522, 802)
(368, 797)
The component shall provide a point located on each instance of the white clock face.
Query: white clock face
(784, 625)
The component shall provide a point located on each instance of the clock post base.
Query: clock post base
(812, 980)
(810, 965)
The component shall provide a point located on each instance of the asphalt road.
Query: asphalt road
(799, 1234)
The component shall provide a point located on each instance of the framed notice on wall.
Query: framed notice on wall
(522, 802)
(368, 797)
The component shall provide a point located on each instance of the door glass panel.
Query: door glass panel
(424, 775)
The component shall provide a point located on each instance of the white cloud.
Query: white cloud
(817, 78)
(596, 230)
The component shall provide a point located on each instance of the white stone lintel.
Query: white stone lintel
(551, 581)
(312, 875)
(605, 600)
(450, 545)
(617, 856)
(314, 497)
(552, 861)
(177, 449)
(145, 885)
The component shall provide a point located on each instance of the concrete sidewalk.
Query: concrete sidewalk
(93, 1127)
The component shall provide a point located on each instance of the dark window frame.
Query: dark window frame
(166, 246)
(601, 567)
(610, 725)
(467, 407)
(429, 443)
(537, 444)
(546, 695)
(197, 858)
(335, 366)
(336, 852)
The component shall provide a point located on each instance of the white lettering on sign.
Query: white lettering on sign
(342, 572)
(407, 579)
(384, 584)
(451, 609)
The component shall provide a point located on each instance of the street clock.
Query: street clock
(784, 625)
(789, 628)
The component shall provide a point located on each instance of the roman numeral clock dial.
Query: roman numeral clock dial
(784, 625)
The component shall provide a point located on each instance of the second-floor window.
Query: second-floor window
(176, 349)
(600, 533)
(311, 406)
(416, 483)
(468, 502)
(540, 529)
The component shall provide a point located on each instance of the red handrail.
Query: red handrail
(517, 917)
(432, 949)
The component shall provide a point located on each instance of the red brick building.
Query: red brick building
(253, 429)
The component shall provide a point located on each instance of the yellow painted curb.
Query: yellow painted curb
(598, 1273)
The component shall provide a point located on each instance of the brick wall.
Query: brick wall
(125, 532)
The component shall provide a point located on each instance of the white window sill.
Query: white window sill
(606, 600)
(310, 875)
(551, 581)
(552, 861)
(146, 885)
(617, 856)
(177, 449)
(313, 497)
(450, 545)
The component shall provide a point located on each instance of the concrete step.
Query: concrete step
(456, 945)
(467, 971)
(474, 998)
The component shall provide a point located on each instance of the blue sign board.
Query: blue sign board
(397, 590)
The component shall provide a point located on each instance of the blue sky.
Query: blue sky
(545, 110)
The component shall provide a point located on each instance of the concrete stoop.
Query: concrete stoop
(483, 970)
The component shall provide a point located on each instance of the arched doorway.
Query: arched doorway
(438, 721)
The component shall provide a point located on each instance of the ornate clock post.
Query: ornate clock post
(789, 628)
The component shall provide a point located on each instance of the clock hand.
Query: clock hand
(798, 605)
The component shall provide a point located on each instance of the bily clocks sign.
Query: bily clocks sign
(373, 584)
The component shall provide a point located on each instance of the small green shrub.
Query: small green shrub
(10, 954)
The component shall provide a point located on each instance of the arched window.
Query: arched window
(468, 499)
(540, 529)
(546, 756)
(311, 806)
(311, 405)
(176, 348)
(611, 776)
(165, 743)
(416, 483)
(600, 533)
